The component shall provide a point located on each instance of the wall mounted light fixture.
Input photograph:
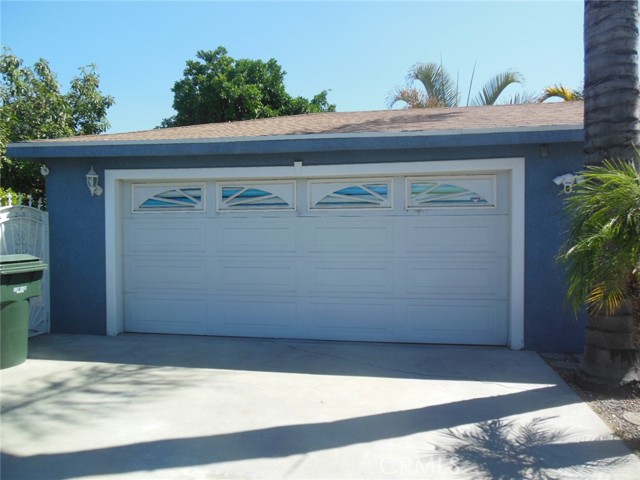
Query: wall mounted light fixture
(568, 181)
(544, 150)
(92, 183)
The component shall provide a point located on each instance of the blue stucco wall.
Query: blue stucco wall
(77, 253)
(77, 265)
(549, 323)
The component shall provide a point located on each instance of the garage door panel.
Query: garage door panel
(465, 322)
(462, 279)
(166, 314)
(246, 316)
(153, 274)
(460, 234)
(258, 235)
(346, 276)
(177, 236)
(345, 235)
(336, 319)
(257, 275)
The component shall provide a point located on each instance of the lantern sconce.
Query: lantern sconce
(568, 181)
(92, 183)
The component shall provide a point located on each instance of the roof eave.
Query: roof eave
(296, 143)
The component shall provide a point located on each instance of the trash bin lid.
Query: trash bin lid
(20, 263)
(18, 258)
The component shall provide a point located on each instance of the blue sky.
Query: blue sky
(358, 50)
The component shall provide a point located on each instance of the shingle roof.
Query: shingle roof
(561, 115)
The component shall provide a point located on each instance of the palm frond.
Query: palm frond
(522, 97)
(440, 88)
(602, 254)
(604, 298)
(412, 98)
(473, 74)
(560, 91)
(494, 87)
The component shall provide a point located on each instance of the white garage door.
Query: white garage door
(397, 258)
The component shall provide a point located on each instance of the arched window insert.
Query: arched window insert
(167, 198)
(337, 194)
(238, 196)
(451, 192)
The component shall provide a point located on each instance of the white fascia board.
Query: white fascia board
(114, 260)
(517, 264)
(299, 170)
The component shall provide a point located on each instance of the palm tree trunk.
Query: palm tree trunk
(611, 94)
(610, 353)
(612, 129)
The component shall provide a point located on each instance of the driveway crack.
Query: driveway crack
(412, 373)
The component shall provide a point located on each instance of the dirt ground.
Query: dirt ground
(619, 408)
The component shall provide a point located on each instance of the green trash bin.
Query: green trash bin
(20, 279)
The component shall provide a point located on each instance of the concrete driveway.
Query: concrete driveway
(179, 407)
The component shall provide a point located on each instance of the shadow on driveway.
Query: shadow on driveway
(516, 421)
(488, 456)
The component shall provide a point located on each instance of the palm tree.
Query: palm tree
(603, 266)
(612, 129)
(440, 90)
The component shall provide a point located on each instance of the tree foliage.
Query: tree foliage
(219, 88)
(602, 253)
(439, 89)
(32, 107)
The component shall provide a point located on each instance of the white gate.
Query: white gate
(25, 230)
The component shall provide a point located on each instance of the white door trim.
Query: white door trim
(113, 215)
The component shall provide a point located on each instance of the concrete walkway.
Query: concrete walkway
(179, 407)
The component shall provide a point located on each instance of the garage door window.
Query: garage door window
(428, 192)
(171, 198)
(349, 194)
(255, 196)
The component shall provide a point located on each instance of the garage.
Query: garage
(380, 254)
(423, 225)
(394, 226)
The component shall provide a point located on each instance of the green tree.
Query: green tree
(439, 89)
(32, 107)
(219, 88)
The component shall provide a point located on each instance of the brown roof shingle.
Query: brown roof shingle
(507, 117)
